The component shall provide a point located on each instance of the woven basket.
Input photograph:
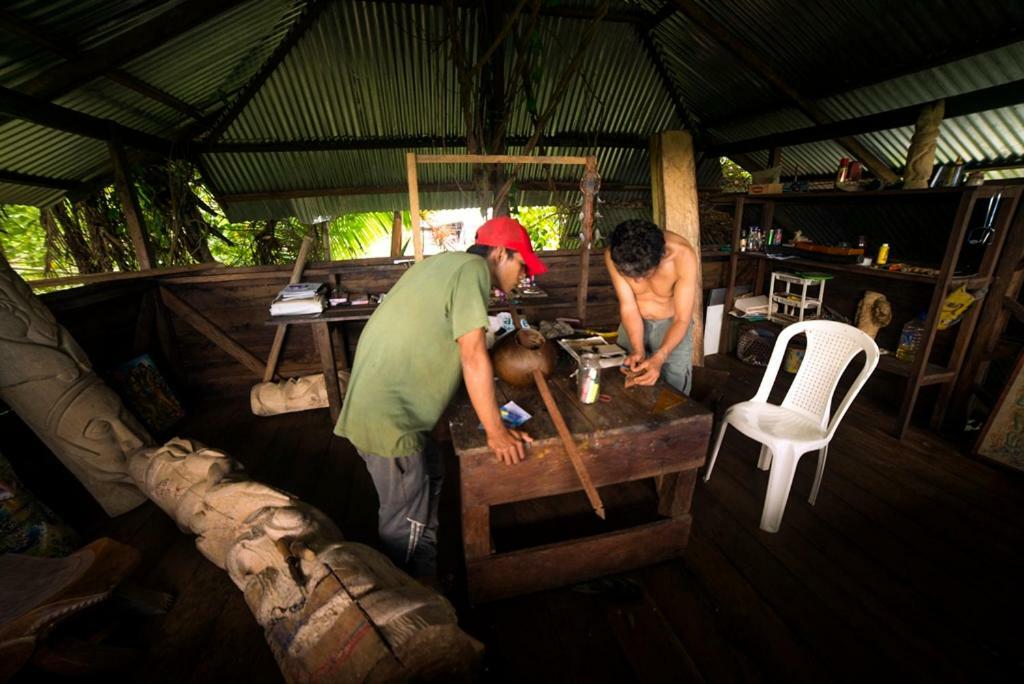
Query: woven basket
(755, 346)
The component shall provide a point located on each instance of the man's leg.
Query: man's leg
(677, 370)
(407, 528)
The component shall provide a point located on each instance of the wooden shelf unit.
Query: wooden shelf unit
(921, 371)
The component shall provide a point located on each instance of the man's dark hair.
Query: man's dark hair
(485, 250)
(637, 247)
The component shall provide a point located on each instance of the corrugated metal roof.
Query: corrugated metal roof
(379, 69)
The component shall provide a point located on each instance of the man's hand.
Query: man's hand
(509, 445)
(634, 360)
(646, 372)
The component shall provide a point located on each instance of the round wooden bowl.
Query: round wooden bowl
(516, 356)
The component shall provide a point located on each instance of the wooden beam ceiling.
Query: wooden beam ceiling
(131, 44)
(891, 70)
(64, 47)
(17, 105)
(622, 15)
(567, 139)
(37, 181)
(739, 49)
(312, 12)
(348, 191)
(973, 102)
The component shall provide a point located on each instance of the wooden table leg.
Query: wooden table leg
(339, 335)
(322, 335)
(476, 532)
(675, 492)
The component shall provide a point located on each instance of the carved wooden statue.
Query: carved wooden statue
(48, 381)
(873, 313)
(294, 394)
(332, 610)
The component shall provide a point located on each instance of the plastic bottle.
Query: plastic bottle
(910, 338)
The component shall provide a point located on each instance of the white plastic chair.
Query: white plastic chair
(801, 423)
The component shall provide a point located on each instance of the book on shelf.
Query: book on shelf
(296, 307)
(297, 299)
(301, 291)
(612, 355)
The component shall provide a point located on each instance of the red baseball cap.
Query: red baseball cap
(506, 232)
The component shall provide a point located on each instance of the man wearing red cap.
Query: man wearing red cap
(426, 336)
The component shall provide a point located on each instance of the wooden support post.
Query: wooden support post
(211, 331)
(774, 157)
(130, 205)
(414, 205)
(591, 181)
(674, 201)
(322, 336)
(325, 227)
(282, 329)
(396, 235)
(730, 287)
(921, 154)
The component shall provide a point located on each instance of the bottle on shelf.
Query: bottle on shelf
(883, 255)
(842, 171)
(910, 338)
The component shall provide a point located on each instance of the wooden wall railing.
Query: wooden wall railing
(117, 316)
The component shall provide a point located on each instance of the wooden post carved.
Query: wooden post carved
(921, 153)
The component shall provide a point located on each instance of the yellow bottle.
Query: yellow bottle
(883, 255)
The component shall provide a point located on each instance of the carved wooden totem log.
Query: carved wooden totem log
(48, 381)
(295, 394)
(332, 611)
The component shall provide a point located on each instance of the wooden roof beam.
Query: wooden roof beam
(17, 105)
(684, 114)
(350, 191)
(623, 15)
(568, 139)
(973, 102)
(312, 12)
(64, 47)
(131, 44)
(1007, 35)
(16, 178)
(723, 36)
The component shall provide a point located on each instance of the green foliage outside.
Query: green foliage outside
(25, 244)
(545, 225)
(22, 239)
(735, 177)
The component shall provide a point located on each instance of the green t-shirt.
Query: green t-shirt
(407, 365)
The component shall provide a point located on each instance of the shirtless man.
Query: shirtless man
(654, 274)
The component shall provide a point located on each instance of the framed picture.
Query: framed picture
(1002, 438)
(146, 393)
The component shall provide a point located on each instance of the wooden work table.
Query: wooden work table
(638, 433)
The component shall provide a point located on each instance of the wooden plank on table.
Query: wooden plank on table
(569, 444)
(553, 565)
(211, 331)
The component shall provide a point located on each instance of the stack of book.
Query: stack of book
(300, 298)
